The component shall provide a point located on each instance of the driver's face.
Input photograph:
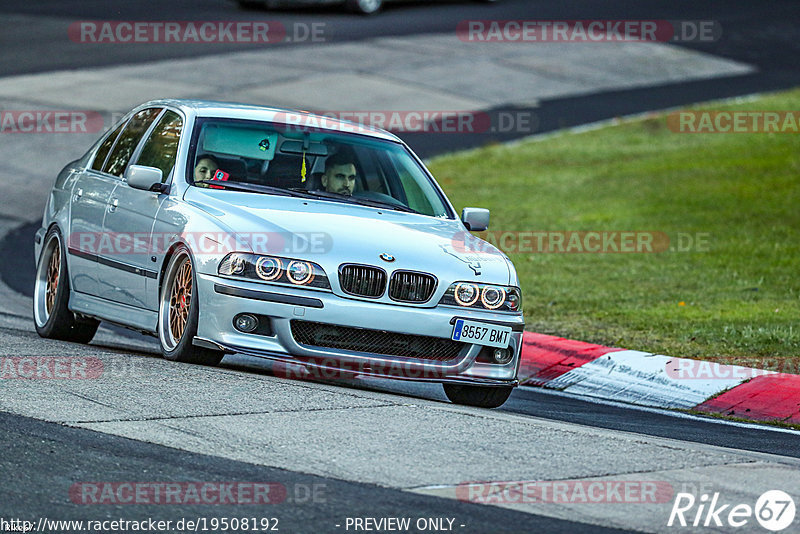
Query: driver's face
(204, 170)
(340, 179)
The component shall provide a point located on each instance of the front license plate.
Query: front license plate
(490, 335)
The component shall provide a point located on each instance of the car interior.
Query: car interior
(287, 159)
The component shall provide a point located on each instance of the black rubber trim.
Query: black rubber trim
(268, 297)
(81, 254)
(515, 327)
(208, 344)
(113, 263)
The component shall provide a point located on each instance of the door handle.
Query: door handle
(78, 195)
(112, 206)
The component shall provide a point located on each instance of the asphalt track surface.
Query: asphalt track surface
(46, 458)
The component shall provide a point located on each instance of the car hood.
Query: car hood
(331, 233)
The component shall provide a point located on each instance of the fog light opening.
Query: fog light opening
(502, 356)
(244, 322)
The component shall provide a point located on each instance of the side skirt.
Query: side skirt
(128, 316)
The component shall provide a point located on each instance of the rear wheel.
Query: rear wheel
(481, 396)
(178, 313)
(365, 7)
(51, 315)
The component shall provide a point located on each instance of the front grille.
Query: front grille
(362, 280)
(409, 286)
(375, 341)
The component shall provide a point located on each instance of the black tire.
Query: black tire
(365, 7)
(480, 396)
(51, 314)
(180, 349)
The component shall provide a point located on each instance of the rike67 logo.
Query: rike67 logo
(774, 510)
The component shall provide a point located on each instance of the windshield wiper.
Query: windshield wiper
(383, 204)
(253, 188)
(312, 193)
(357, 200)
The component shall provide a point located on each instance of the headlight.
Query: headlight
(300, 272)
(493, 297)
(466, 294)
(268, 268)
(483, 297)
(273, 269)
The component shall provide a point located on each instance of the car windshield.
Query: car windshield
(270, 158)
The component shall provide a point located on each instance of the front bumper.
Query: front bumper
(221, 299)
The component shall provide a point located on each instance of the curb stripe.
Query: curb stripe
(545, 358)
(764, 398)
(659, 381)
(640, 378)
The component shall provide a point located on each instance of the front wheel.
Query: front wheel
(51, 314)
(178, 312)
(480, 396)
(365, 7)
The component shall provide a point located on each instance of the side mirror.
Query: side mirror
(145, 178)
(475, 219)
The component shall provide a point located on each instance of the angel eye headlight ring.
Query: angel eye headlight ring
(466, 294)
(268, 268)
(492, 297)
(299, 272)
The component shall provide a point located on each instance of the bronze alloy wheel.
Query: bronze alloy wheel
(49, 279)
(176, 302)
(52, 316)
(178, 312)
(53, 273)
(180, 299)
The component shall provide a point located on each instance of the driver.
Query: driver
(340, 174)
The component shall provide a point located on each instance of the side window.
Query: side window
(373, 178)
(161, 147)
(414, 194)
(128, 140)
(102, 152)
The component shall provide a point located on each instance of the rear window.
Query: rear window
(161, 147)
(128, 140)
(102, 152)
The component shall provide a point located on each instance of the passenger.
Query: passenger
(206, 167)
(340, 173)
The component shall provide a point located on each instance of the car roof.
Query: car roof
(233, 110)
